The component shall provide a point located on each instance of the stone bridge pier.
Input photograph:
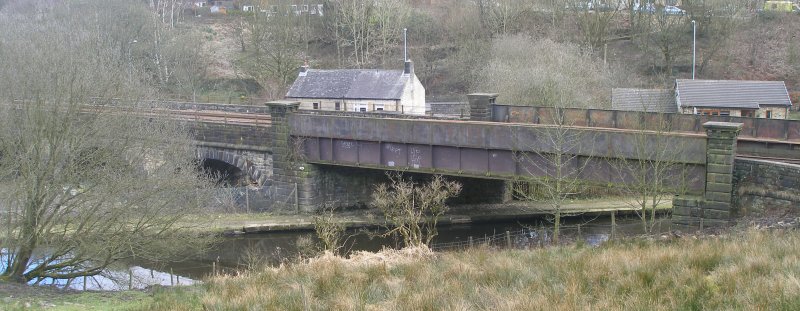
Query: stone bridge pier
(714, 208)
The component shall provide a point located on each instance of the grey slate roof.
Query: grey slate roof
(648, 100)
(731, 93)
(349, 84)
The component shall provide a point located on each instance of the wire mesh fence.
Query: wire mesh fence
(248, 199)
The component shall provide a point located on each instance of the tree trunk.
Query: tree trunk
(16, 271)
(557, 225)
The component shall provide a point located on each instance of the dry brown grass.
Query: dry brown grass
(749, 271)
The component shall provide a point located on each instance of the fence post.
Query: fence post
(579, 231)
(508, 239)
(171, 282)
(470, 241)
(296, 200)
(247, 199)
(613, 224)
(130, 279)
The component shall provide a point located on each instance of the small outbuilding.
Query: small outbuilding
(645, 100)
(757, 99)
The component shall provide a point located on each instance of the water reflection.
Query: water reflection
(239, 253)
(114, 278)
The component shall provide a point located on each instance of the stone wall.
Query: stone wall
(760, 186)
(293, 181)
(714, 208)
(451, 109)
(174, 105)
(232, 136)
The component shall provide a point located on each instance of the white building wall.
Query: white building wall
(412, 101)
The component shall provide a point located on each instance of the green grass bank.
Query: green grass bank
(746, 271)
(750, 270)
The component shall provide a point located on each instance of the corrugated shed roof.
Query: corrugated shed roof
(731, 93)
(648, 100)
(349, 84)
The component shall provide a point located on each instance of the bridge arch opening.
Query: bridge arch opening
(224, 174)
(232, 168)
(351, 186)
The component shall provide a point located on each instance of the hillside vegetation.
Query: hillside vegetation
(461, 48)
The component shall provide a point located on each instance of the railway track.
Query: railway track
(208, 116)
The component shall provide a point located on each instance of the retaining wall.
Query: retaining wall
(761, 186)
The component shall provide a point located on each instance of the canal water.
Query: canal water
(239, 253)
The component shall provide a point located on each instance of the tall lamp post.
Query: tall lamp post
(130, 60)
(694, 46)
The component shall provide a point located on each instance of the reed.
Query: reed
(751, 270)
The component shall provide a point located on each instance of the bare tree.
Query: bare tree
(413, 209)
(276, 53)
(555, 163)
(595, 25)
(544, 73)
(502, 17)
(650, 173)
(85, 184)
(717, 22)
(368, 28)
(667, 35)
(329, 229)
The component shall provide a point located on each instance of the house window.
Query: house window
(316, 105)
(710, 112)
(769, 114)
(378, 107)
(724, 113)
(362, 109)
(748, 113)
(338, 106)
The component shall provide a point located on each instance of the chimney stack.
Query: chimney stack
(304, 69)
(409, 68)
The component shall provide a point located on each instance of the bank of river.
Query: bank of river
(242, 251)
(232, 224)
(266, 238)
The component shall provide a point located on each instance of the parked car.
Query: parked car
(673, 10)
(645, 8)
(604, 7)
(580, 6)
